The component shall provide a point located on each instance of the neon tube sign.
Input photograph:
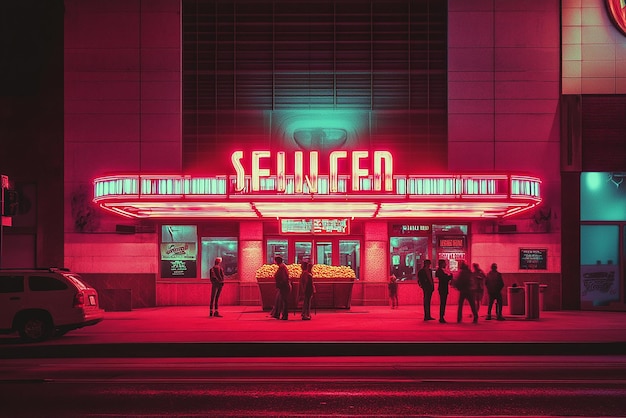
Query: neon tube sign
(381, 166)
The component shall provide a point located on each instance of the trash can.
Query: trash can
(515, 298)
(532, 300)
(542, 297)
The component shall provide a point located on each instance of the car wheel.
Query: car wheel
(35, 328)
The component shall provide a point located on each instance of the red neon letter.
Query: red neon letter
(236, 160)
(297, 173)
(379, 156)
(357, 171)
(311, 179)
(334, 169)
(257, 171)
(280, 172)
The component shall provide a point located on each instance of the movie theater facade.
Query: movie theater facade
(370, 135)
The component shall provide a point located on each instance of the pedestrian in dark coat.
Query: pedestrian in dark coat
(282, 284)
(478, 284)
(425, 281)
(495, 284)
(444, 281)
(217, 282)
(463, 283)
(307, 288)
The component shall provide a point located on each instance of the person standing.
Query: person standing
(306, 286)
(393, 291)
(217, 282)
(463, 283)
(425, 281)
(494, 284)
(282, 284)
(444, 282)
(478, 283)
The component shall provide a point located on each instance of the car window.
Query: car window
(77, 281)
(44, 283)
(11, 284)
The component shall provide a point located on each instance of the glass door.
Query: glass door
(303, 251)
(350, 255)
(324, 252)
(277, 247)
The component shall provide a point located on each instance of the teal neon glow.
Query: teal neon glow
(594, 181)
(321, 129)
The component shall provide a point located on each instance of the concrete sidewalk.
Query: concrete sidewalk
(246, 331)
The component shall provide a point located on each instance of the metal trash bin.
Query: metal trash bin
(532, 300)
(542, 297)
(515, 298)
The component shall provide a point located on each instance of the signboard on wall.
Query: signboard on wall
(412, 229)
(320, 226)
(533, 259)
(453, 249)
(179, 251)
(178, 269)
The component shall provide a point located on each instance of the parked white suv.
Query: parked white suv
(40, 303)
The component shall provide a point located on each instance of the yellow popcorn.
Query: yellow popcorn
(320, 271)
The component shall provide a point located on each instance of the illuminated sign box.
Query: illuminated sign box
(355, 184)
(533, 259)
(315, 226)
(410, 229)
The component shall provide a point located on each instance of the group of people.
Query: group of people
(284, 288)
(470, 284)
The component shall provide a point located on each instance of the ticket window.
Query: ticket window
(408, 255)
(224, 247)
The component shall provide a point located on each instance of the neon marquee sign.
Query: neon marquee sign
(617, 13)
(380, 167)
(355, 184)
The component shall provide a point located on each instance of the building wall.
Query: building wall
(593, 87)
(594, 51)
(31, 130)
(504, 90)
(122, 114)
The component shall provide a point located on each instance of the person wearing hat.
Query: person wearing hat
(494, 284)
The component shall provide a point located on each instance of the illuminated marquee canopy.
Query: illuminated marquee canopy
(436, 196)
(373, 192)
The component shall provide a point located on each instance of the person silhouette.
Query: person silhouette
(217, 282)
(463, 283)
(282, 283)
(393, 291)
(306, 286)
(443, 288)
(494, 284)
(425, 281)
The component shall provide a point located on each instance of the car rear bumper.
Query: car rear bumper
(92, 317)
